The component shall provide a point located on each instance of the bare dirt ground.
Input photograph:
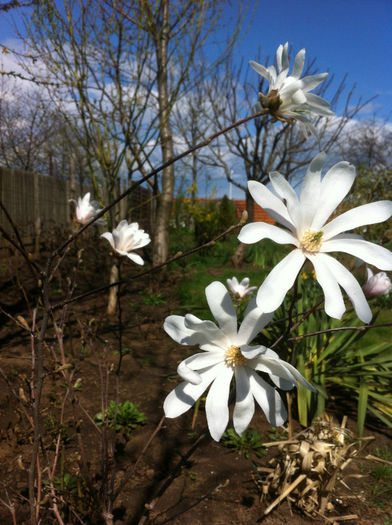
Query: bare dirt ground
(173, 481)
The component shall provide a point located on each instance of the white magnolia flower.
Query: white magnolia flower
(242, 289)
(304, 219)
(288, 96)
(126, 238)
(378, 284)
(227, 354)
(85, 209)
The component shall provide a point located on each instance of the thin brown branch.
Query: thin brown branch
(339, 329)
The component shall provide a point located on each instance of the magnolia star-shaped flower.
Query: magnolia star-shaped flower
(288, 97)
(126, 238)
(305, 226)
(242, 289)
(226, 353)
(378, 284)
(85, 210)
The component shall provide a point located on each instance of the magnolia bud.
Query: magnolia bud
(378, 284)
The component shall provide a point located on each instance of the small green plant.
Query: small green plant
(250, 441)
(277, 435)
(153, 298)
(123, 417)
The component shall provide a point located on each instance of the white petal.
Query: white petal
(287, 192)
(271, 204)
(256, 231)
(207, 330)
(310, 190)
(277, 283)
(372, 213)
(254, 321)
(244, 406)
(175, 327)
(197, 362)
(135, 258)
(269, 400)
(109, 237)
(334, 187)
(348, 282)
(275, 367)
(261, 70)
(251, 353)
(217, 409)
(299, 63)
(367, 251)
(222, 308)
(318, 105)
(185, 394)
(299, 377)
(312, 81)
(334, 304)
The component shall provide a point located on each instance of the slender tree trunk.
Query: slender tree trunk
(165, 201)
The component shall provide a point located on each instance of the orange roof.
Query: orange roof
(260, 215)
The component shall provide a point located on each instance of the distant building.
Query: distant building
(260, 215)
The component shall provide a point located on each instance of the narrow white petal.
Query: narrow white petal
(244, 407)
(176, 328)
(207, 331)
(269, 400)
(367, 251)
(310, 190)
(252, 352)
(275, 367)
(271, 204)
(372, 213)
(279, 53)
(261, 70)
(186, 369)
(334, 304)
(348, 282)
(217, 410)
(287, 192)
(256, 231)
(312, 81)
(109, 237)
(254, 321)
(222, 307)
(299, 63)
(299, 377)
(318, 105)
(334, 187)
(135, 258)
(185, 394)
(277, 283)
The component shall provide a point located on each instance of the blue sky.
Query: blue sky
(345, 36)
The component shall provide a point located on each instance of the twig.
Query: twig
(341, 328)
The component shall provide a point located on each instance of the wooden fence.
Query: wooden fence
(38, 203)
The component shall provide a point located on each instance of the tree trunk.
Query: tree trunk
(239, 255)
(165, 201)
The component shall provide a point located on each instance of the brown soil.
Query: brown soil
(171, 483)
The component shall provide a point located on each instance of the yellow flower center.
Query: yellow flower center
(233, 356)
(311, 240)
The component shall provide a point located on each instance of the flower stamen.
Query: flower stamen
(312, 240)
(233, 356)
